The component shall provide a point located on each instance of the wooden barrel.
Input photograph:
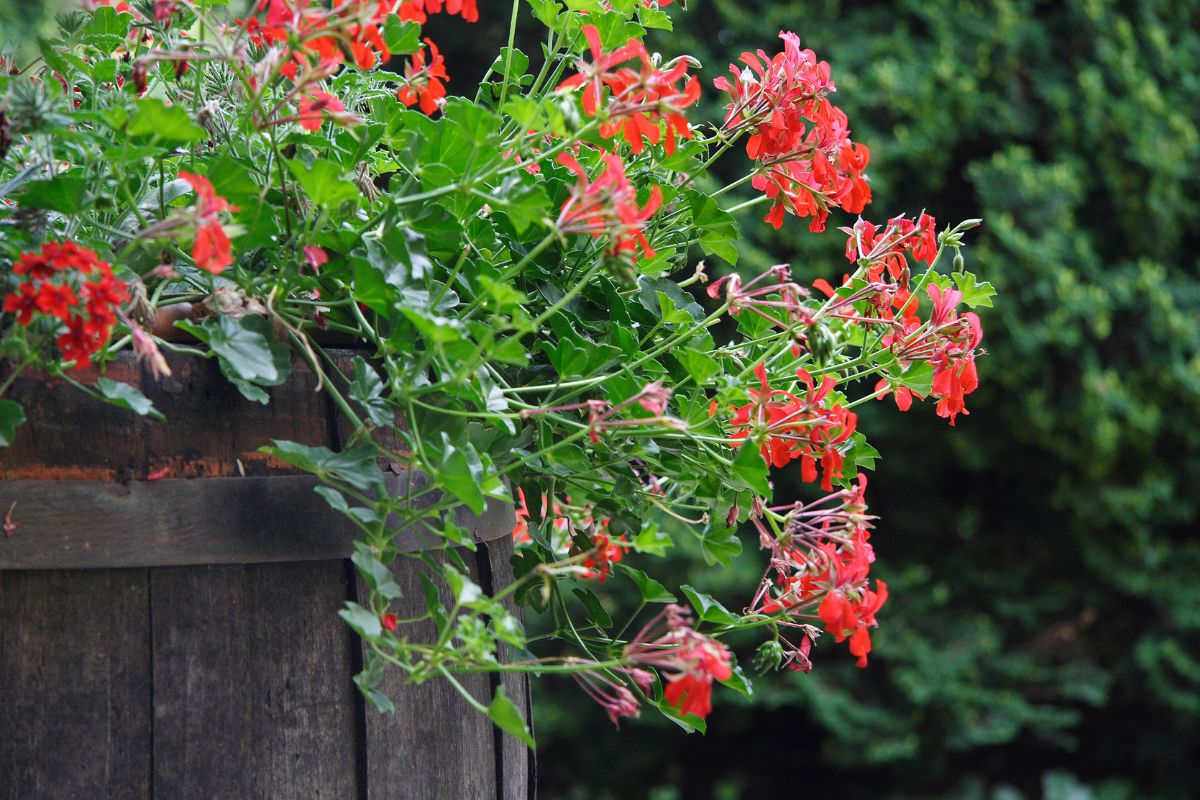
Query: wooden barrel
(168, 612)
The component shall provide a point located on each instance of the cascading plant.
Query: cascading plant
(522, 272)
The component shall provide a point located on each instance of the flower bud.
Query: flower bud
(768, 657)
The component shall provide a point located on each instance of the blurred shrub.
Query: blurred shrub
(1044, 632)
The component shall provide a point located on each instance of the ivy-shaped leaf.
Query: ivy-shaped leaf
(364, 623)
(11, 417)
(323, 182)
(974, 294)
(652, 591)
(155, 119)
(355, 466)
(122, 395)
(751, 469)
(708, 609)
(375, 572)
(507, 718)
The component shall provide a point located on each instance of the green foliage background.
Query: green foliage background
(1043, 639)
(1044, 633)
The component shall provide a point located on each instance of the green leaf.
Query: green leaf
(245, 346)
(595, 610)
(524, 203)
(375, 572)
(370, 678)
(465, 590)
(104, 71)
(739, 682)
(355, 466)
(122, 395)
(106, 29)
(865, 454)
(678, 298)
(52, 57)
(335, 498)
(652, 591)
(749, 466)
(918, 377)
(699, 365)
(653, 540)
(401, 38)
(571, 458)
(367, 389)
(323, 182)
(507, 718)
(719, 544)
(458, 471)
(11, 417)
(525, 111)
(974, 294)
(64, 194)
(364, 623)
(690, 722)
(718, 229)
(509, 629)
(708, 609)
(510, 351)
(155, 119)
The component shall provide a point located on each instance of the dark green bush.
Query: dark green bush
(1045, 620)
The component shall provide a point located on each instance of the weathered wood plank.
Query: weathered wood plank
(211, 429)
(74, 685)
(435, 746)
(252, 690)
(182, 522)
(517, 772)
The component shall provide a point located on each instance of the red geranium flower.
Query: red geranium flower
(641, 100)
(608, 206)
(211, 251)
(424, 82)
(801, 142)
(317, 105)
(689, 660)
(70, 284)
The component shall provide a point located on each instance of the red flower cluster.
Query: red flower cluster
(800, 141)
(323, 34)
(211, 251)
(352, 26)
(771, 295)
(71, 284)
(606, 552)
(316, 105)
(823, 559)
(794, 426)
(642, 100)
(616, 700)
(608, 206)
(868, 246)
(689, 660)
(424, 80)
(520, 532)
(948, 342)
(417, 10)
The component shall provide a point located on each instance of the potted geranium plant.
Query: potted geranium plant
(541, 281)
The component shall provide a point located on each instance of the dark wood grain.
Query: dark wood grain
(252, 691)
(210, 430)
(221, 669)
(74, 685)
(201, 521)
(517, 767)
(435, 746)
